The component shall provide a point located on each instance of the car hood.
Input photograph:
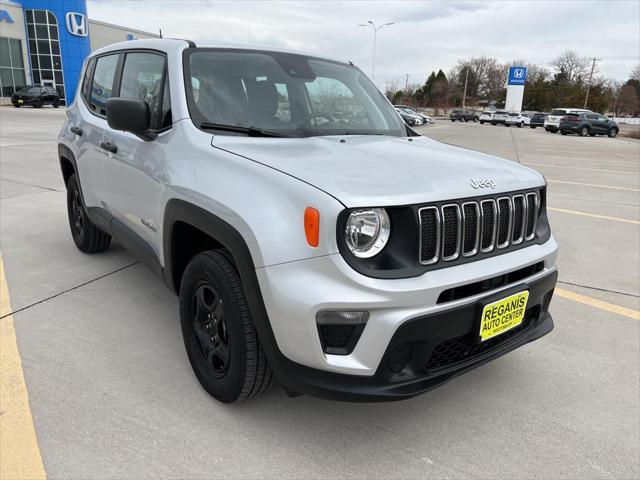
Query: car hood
(382, 170)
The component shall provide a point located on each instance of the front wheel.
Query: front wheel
(87, 237)
(612, 133)
(218, 331)
(475, 119)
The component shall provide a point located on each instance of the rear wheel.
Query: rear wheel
(584, 131)
(87, 237)
(563, 132)
(612, 133)
(218, 332)
(520, 124)
(481, 122)
(475, 119)
(56, 104)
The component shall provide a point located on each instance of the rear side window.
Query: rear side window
(142, 78)
(102, 85)
(86, 82)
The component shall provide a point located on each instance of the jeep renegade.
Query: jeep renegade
(310, 234)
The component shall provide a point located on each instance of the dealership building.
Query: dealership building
(45, 42)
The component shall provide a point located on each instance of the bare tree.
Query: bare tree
(572, 66)
(635, 73)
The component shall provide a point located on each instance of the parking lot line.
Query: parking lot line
(593, 185)
(594, 215)
(593, 302)
(19, 453)
(580, 168)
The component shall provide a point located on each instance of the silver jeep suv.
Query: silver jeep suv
(310, 235)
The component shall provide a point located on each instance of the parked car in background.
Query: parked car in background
(486, 117)
(409, 119)
(463, 115)
(499, 117)
(588, 124)
(518, 119)
(552, 123)
(537, 119)
(35, 96)
(425, 118)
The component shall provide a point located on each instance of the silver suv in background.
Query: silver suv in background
(310, 235)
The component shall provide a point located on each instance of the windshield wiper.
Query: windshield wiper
(250, 131)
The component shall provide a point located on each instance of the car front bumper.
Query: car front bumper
(399, 309)
(25, 101)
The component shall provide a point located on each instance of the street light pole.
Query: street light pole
(375, 36)
(464, 95)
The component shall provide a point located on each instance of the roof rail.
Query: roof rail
(191, 43)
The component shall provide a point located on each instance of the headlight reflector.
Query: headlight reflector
(367, 231)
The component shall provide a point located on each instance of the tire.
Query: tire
(218, 332)
(562, 132)
(506, 124)
(465, 120)
(592, 134)
(475, 119)
(612, 133)
(520, 125)
(481, 122)
(584, 131)
(453, 119)
(56, 104)
(17, 106)
(532, 126)
(38, 104)
(87, 237)
(493, 123)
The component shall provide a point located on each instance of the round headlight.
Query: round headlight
(367, 231)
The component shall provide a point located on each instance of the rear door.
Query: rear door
(594, 124)
(134, 169)
(87, 123)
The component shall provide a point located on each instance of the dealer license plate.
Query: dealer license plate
(503, 315)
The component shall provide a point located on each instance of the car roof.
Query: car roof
(177, 45)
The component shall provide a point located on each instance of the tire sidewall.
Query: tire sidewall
(72, 186)
(203, 269)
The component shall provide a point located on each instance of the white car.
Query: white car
(552, 122)
(486, 117)
(345, 255)
(499, 117)
(515, 118)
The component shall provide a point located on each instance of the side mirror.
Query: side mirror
(130, 115)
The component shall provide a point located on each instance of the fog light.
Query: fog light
(340, 330)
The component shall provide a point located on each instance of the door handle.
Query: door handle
(109, 147)
(76, 130)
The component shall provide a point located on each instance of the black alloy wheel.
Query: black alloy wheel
(210, 331)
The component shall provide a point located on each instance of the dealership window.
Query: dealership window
(44, 50)
(11, 66)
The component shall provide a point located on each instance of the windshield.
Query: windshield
(28, 90)
(291, 95)
(558, 112)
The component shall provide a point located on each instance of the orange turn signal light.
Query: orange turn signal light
(312, 226)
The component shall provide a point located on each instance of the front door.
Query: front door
(134, 184)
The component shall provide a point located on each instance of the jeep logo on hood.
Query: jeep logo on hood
(482, 183)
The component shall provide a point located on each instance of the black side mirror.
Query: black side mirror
(130, 115)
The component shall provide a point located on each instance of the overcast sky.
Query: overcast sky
(427, 35)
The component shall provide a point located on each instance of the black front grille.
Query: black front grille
(465, 347)
(461, 229)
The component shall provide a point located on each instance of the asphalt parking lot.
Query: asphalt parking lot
(112, 394)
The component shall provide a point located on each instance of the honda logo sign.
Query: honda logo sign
(77, 24)
(517, 75)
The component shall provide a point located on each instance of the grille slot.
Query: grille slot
(519, 219)
(470, 228)
(504, 221)
(450, 232)
(489, 218)
(532, 215)
(429, 235)
(466, 229)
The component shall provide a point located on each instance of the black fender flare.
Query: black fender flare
(181, 211)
